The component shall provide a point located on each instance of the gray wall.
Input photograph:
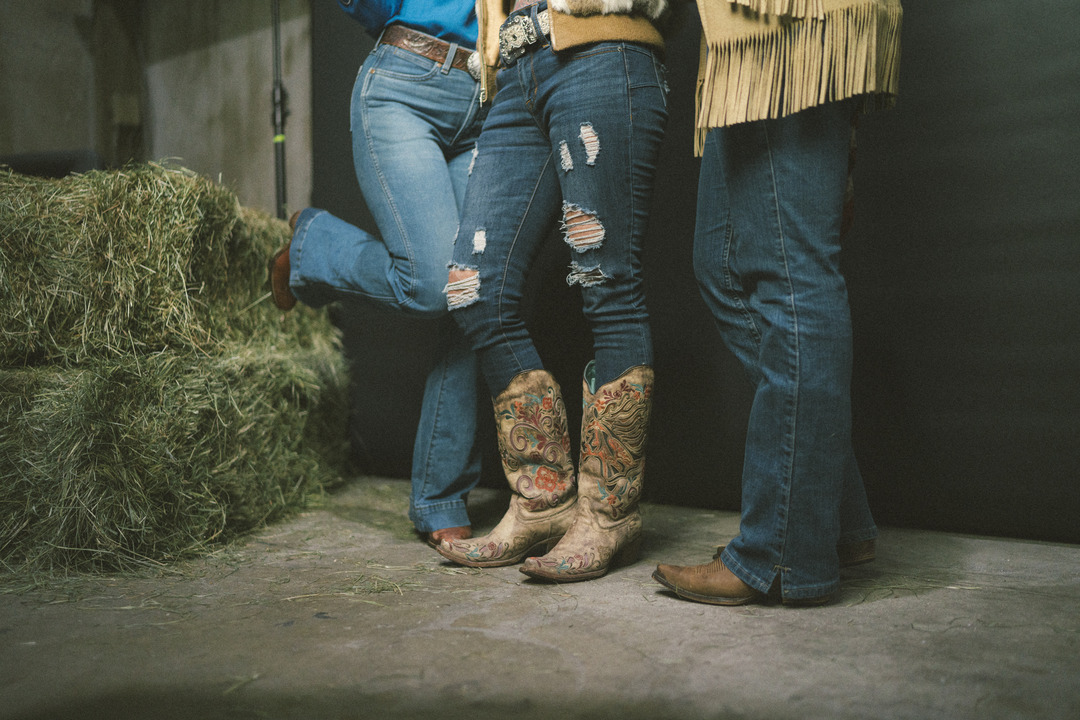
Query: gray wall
(46, 76)
(965, 274)
(186, 81)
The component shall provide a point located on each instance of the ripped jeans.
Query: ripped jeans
(572, 137)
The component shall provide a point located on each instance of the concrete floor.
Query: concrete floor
(342, 612)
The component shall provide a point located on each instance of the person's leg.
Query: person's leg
(606, 109)
(511, 205)
(767, 258)
(446, 454)
(407, 117)
(608, 125)
(720, 280)
(414, 129)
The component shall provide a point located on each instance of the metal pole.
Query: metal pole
(281, 110)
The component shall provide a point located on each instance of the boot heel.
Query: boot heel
(628, 554)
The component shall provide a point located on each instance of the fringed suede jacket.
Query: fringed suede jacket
(760, 59)
(573, 23)
(765, 59)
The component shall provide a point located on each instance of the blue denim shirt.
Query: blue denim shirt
(451, 21)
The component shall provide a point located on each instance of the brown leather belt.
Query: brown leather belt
(424, 45)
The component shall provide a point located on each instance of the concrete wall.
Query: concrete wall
(209, 76)
(46, 76)
(190, 81)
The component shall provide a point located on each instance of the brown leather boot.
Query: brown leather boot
(278, 270)
(856, 553)
(715, 584)
(607, 528)
(535, 449)
(459, 532)
(710, 583)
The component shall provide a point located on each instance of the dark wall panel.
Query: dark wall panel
(964, 275)
(963, 270)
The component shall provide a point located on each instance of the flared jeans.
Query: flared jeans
(414, 128)
(767, 261)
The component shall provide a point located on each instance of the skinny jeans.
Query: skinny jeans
(572, 138)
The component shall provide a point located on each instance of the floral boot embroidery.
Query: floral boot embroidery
(534, 447)
(607, 529)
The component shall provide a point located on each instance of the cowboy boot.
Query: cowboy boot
(715, 584)
(534, 445)
(278, 272)
(607, 527)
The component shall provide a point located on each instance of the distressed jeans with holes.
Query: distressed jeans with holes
(571, 138)
(414, 129)
(766, 256)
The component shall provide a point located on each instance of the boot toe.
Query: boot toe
(710, 583)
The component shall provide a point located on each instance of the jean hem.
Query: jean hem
(428, 518)
(857, 537)
(802, 592)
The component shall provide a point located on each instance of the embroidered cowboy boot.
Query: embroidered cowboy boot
(534, 445)
(607, 526)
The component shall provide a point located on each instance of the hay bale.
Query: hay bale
(152, 399)
(151, 458)
(137, 261)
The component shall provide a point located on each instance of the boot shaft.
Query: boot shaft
(607, 527)
(614, 434)
(534, 444)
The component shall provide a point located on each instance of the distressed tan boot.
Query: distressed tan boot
(607, 528)
(534, 445)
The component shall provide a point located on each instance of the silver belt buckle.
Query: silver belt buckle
(519, 32)
(475, 65)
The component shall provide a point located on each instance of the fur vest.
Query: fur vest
(651, 9)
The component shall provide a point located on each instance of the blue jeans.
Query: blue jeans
(766, 257)
(414, 129)
(572, 136)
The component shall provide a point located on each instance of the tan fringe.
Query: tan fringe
(793, 65)
(788, 8)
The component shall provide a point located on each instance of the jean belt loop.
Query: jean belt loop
(535, 20)
(450, 55)
(541, 31)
